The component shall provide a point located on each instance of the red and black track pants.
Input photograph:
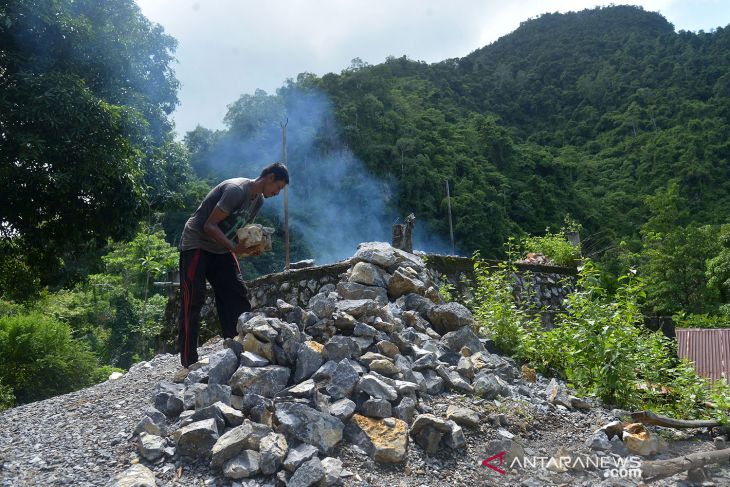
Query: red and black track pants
(231, 296)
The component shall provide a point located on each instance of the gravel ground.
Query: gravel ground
(86, 437)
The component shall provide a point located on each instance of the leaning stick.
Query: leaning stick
(659, 469)
(647, 417)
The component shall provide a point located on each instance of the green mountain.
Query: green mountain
(581, 114)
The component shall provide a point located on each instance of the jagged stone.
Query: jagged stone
(358, 308)
(251, 359)
(323, 305)
(243, 466)
(368, 274)
(376, 388)
(248, 436)
(489, 386)
(344, 379)
(405, 281)
(264, 381)
(353, 290)
(151, 447)
(332, 472)
(453, 380)
(640, 441)
(196, 439)
(428, 431)
(387, 257)
(211, 412)
(309, 425)
(376, 408)
(298, 455)
(363, 330)
(431, 382)
(135, 476)
(222, 365)
(168, 398)
(449, 317)
(385, 440)
(463, 416)
(289, 339)
(556, 394)
(309, 359)
(258, 347)
(463, 337)
(385, 367)
(309, 473)
(340, 347)
(153, 422)
(417, 303)
(406, 409)
(212, 394)
(273, 449)
(342, 409)
(388, 348)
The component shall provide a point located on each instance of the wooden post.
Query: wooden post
(286, 198)
(451, 225)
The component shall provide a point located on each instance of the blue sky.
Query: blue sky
(231, 47)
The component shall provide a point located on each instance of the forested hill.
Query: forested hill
(584, 113)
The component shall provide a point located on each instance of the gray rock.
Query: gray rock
(212, 394)
(405, 281)
(248, 436)
(151, 447)
(449, 317)
(196, 439)
(153, 422)
(289, 339)
(432, 382)
(428, 431)
(376, 388)
(388, 348)
(489, 386)
(368, 274)
(309, 425)
(376, 408)
(309, 473)
(555, 393)
(353, 290)
(168, 398)
(322, 305)
(273, 449)
(427, 361)
(332, 472)
(386, 257)
(264, 381)
(191, 392)
(598, 441)
(343, 380)
(243, 466)
(406, 409)
(326, 371)
(363, 330)
(298, 455)
(455, 438)
(222, 365)
(309, 359)
(342, 409)
(463, 416)
(234, 345)
(135, 476)
(512, 446)
(214, 413)
(453, 380)
(358, 308)
(417, 303)
(250, 359)
(463, 337)
(340, 347)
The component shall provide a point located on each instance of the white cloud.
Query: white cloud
(230, 47)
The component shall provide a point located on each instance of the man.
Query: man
(208, 250)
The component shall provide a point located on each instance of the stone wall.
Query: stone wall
(550, 284)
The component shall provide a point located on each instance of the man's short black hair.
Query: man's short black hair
(279, 170)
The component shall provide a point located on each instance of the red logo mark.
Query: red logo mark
(488, 462)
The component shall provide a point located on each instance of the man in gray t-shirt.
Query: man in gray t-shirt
(208, 250)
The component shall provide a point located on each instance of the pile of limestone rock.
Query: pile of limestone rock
(353, 366)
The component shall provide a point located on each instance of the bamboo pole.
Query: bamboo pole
(451, 225)
(286, 198)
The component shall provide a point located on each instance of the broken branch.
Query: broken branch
(647, 417)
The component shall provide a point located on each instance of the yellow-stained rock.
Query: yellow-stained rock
(254, 345)
(385, 440)
(640, 441)
(529, 374)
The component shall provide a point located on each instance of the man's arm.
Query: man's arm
(212, 229)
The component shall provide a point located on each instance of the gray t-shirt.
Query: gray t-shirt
(232, 196)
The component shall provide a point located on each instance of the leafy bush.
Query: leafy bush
(555, 246)
(597, 344)
(39, 357)
(693, 320)
(7, 398)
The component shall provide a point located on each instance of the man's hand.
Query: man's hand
(251, 251)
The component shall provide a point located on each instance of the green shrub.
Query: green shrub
(597, 344)
(39, 358)
(7, 398)
(555, 246)
(704, 320)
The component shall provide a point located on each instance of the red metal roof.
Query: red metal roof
(709, 349)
